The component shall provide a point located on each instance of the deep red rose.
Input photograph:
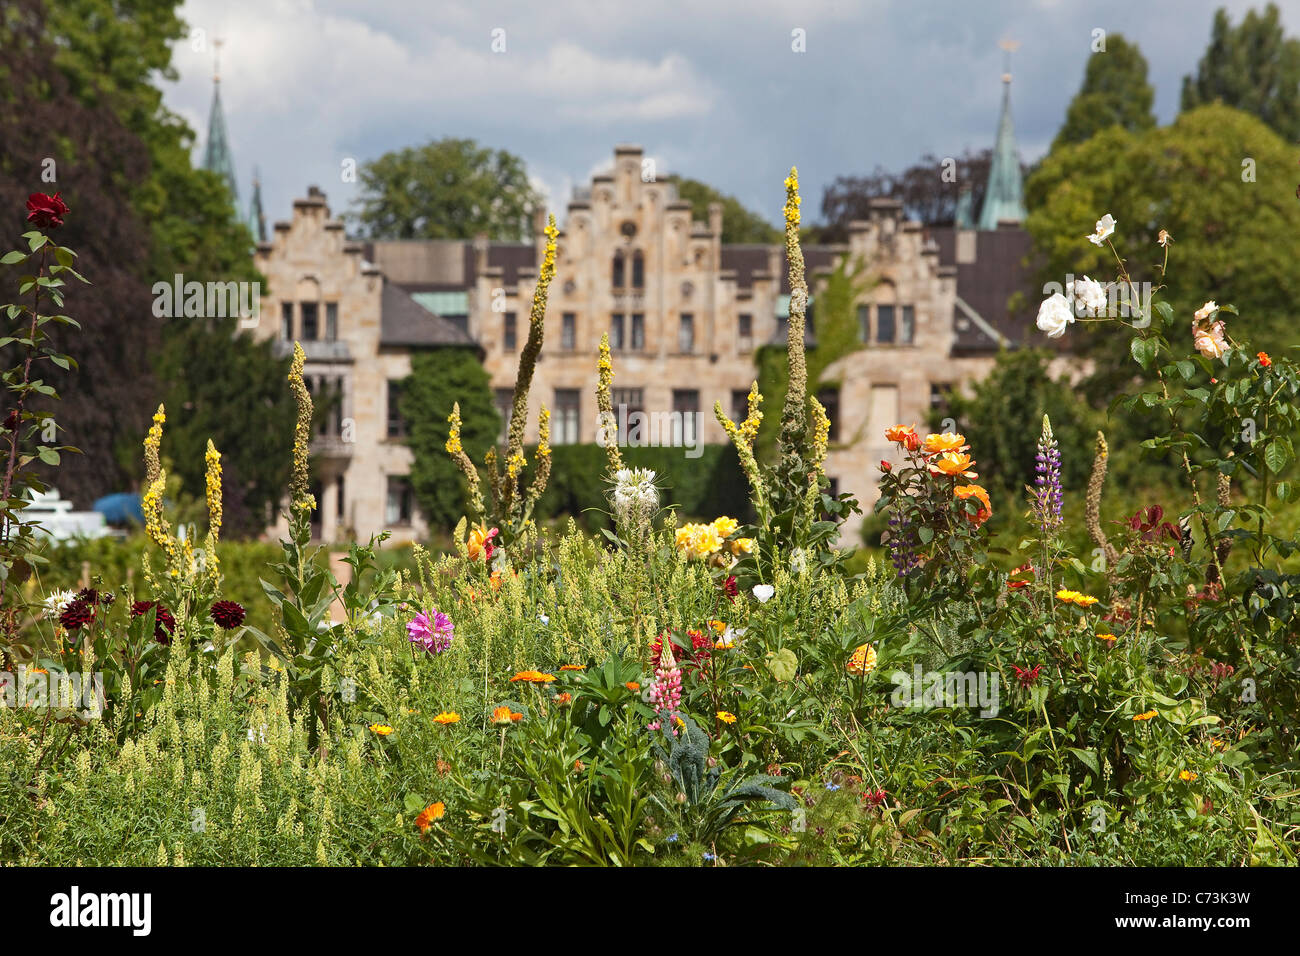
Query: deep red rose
(885, 466)
(227, 615)
(163, 623)
(76, 615)
(46, 211)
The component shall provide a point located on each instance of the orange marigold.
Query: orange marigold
(632, 686)
(447, 717)
(533, 677)
(1146, 716)
(434, 811)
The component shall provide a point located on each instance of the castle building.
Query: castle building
(684, 313)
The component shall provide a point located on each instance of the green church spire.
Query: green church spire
(216, 151)
(256, 218)
(1005, 196)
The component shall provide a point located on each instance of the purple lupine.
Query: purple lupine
(1048, 496)
(902, 545)
(432, 632)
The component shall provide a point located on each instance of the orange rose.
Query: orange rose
(1264, 360)
(948, 441)
(964, 492)
(952, 464)
(904, 435)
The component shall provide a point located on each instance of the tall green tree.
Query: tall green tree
(438, 379)
(1115, 92)
(1254, 67)
(1223, 185)
(739, 224)
(447, 189)
(83, 114)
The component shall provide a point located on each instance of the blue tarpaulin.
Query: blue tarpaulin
(121, 508)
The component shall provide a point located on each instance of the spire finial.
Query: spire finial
(216, 59)
(1008, 47)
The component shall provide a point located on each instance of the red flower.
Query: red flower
(163, 623)
(885, 466)
(46, 211)
(1014, 583)
(227, 615)
(1264, 360)
(93, 597)
(1027, 677)
(730, 587)
(76, 615)
(873, 798)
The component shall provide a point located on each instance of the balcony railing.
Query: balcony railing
(315, 350)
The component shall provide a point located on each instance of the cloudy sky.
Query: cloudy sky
(711, 88)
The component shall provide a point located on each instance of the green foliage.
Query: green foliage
(447, 189)
(1218, 180)
(438, 380)
(1115, 92)
(834, 320)
(227, 387)
(1254, 67)
(1001, 419)
(739, 224)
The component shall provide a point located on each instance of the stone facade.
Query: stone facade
(684, 313)
(322, 292)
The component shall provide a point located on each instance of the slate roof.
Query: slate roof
(987, 284)
(404, 323)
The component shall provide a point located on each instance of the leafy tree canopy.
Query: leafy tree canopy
(929, 191)
(438, 379)
(1115, 92)
(447, 189)
(1254, 67)
(1220, 181)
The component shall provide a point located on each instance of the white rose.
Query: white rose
(764, 592)
(1055, 315)
(1105, 226)
(1089, 296)
(1207, 310)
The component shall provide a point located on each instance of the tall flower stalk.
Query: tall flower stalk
(511, 507)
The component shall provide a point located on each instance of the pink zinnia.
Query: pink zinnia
(433, 633)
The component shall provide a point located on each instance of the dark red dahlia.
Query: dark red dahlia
(77, 614)
(227, 615)
(46, 211)
(163, 623)
(94, 597)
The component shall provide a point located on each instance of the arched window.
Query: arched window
(638, 270)
(618, 270)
